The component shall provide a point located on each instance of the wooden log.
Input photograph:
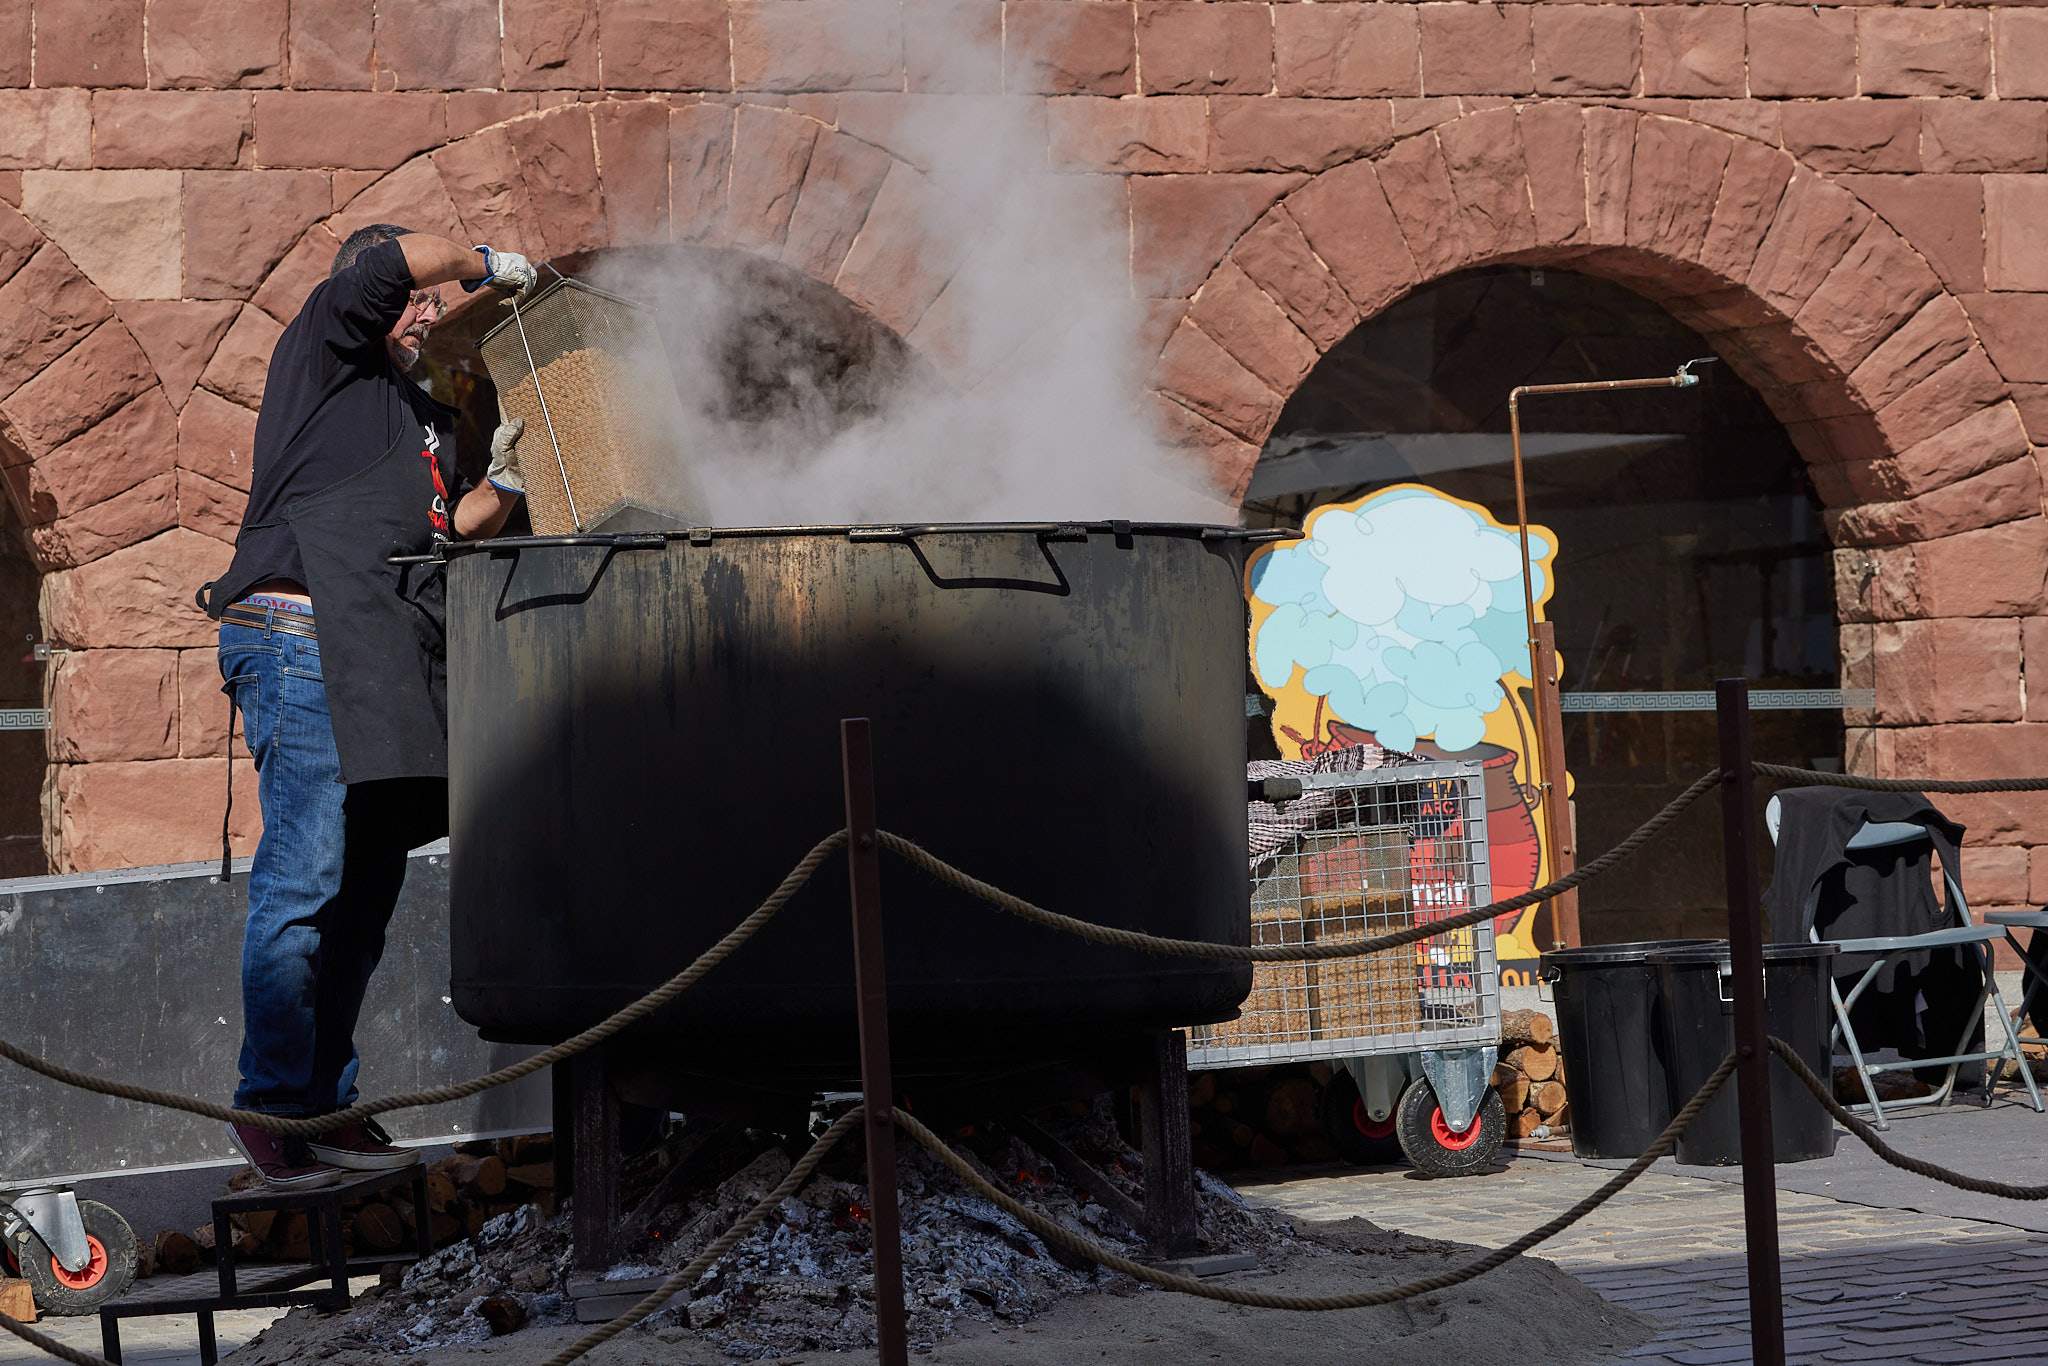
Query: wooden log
(17, 1300)
(538, 1176)
(1526, 1027)
(1291, 1108)
(477, 1175)
(521, 1149)
(504, 1313)
(291, 1238)
(254, 1222)
(177, 1254)
(1548, 1097)
(377, 1228)
(1524, 1124)
(202, 1239)
(1514, 1092)
(1537, 1064)
(441, 1190)
(1561, 1122)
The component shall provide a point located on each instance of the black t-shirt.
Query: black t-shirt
(333, 403)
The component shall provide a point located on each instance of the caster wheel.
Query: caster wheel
(109, 1272)
(1357, 1137)
(1436, 1149)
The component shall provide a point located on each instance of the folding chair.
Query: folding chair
(1976, 939)
(2033, 978)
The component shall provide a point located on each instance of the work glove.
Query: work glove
(506, 270)
(504, 471)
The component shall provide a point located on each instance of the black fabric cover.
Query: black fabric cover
(1921, 1003)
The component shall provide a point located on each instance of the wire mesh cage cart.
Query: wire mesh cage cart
(1415, 1029)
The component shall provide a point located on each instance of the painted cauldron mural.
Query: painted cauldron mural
(1397, 622)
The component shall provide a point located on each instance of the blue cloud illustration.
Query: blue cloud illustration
(1405, 614)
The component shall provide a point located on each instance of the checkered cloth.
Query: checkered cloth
(1276, 825)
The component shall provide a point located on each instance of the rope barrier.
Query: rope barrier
(1786, 774)
(1054, 1233)
(687, 1277)
(1919, 1166)
(1073, 1242)
(50, 1345)
(937, 868)
(625, 1018)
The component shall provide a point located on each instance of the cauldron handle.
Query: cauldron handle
(1042, 536)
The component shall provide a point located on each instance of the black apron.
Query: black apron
(383, 633)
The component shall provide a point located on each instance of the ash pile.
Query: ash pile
(802, 1280)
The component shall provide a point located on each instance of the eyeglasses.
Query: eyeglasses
(426, 301)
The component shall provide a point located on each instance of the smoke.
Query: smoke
(790, 407)
(1405, 614)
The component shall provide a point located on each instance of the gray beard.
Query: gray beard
(406, 361)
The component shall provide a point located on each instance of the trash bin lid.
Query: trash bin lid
(1608, 955)
(1716, 951)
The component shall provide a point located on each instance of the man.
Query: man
(334, 659)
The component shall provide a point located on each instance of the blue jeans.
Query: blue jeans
(324, 883)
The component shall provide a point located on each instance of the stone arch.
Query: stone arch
(768, 180)
(1932, 489)
(1813, 298)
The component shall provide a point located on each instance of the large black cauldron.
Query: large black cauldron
(644, 738)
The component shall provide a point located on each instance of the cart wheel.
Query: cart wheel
(110, 1271)
(1351, 1131)
(1436, 1149)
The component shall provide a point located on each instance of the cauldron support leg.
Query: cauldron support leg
(562, 1115)
(1170, 1218)
(597, 1161)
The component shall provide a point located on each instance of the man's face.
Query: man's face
(409, 333)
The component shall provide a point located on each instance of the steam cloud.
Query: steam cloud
(1405, 614)
(1045, 425)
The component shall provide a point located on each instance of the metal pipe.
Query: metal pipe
(575, 518)
(871, 1001)
(1753, 1055)
(1682, 378)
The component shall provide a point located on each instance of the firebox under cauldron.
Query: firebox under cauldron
(643, 740)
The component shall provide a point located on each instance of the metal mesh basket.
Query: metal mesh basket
(1371, 852)
(580, 365)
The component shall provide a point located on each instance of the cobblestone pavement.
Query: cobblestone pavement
(1862, 1284)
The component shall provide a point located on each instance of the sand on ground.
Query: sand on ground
(1526, 1311)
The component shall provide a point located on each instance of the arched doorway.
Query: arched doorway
(1690, 542)
(22, 752)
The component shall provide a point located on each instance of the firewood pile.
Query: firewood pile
(1243, 1117)
(1530, 1076)
(478, 1182)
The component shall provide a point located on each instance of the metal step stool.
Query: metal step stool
(206, 1293)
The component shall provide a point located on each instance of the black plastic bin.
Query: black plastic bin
(1608, 1000)
(1698, 1030)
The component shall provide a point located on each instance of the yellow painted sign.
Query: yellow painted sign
(1397, 620)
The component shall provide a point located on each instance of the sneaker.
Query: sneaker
(283, 1163)
(361, 1147)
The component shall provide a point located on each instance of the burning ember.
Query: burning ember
(802, 1280)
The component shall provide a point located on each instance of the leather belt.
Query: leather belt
(263, 619)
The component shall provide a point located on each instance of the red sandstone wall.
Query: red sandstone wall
(1850, 200)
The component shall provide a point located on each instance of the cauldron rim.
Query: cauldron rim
(877, 531)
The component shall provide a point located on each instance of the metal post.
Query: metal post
(1753, 1067)
(871, 997)
(1559, 840)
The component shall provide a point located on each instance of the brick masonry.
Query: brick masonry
(1846, 199)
